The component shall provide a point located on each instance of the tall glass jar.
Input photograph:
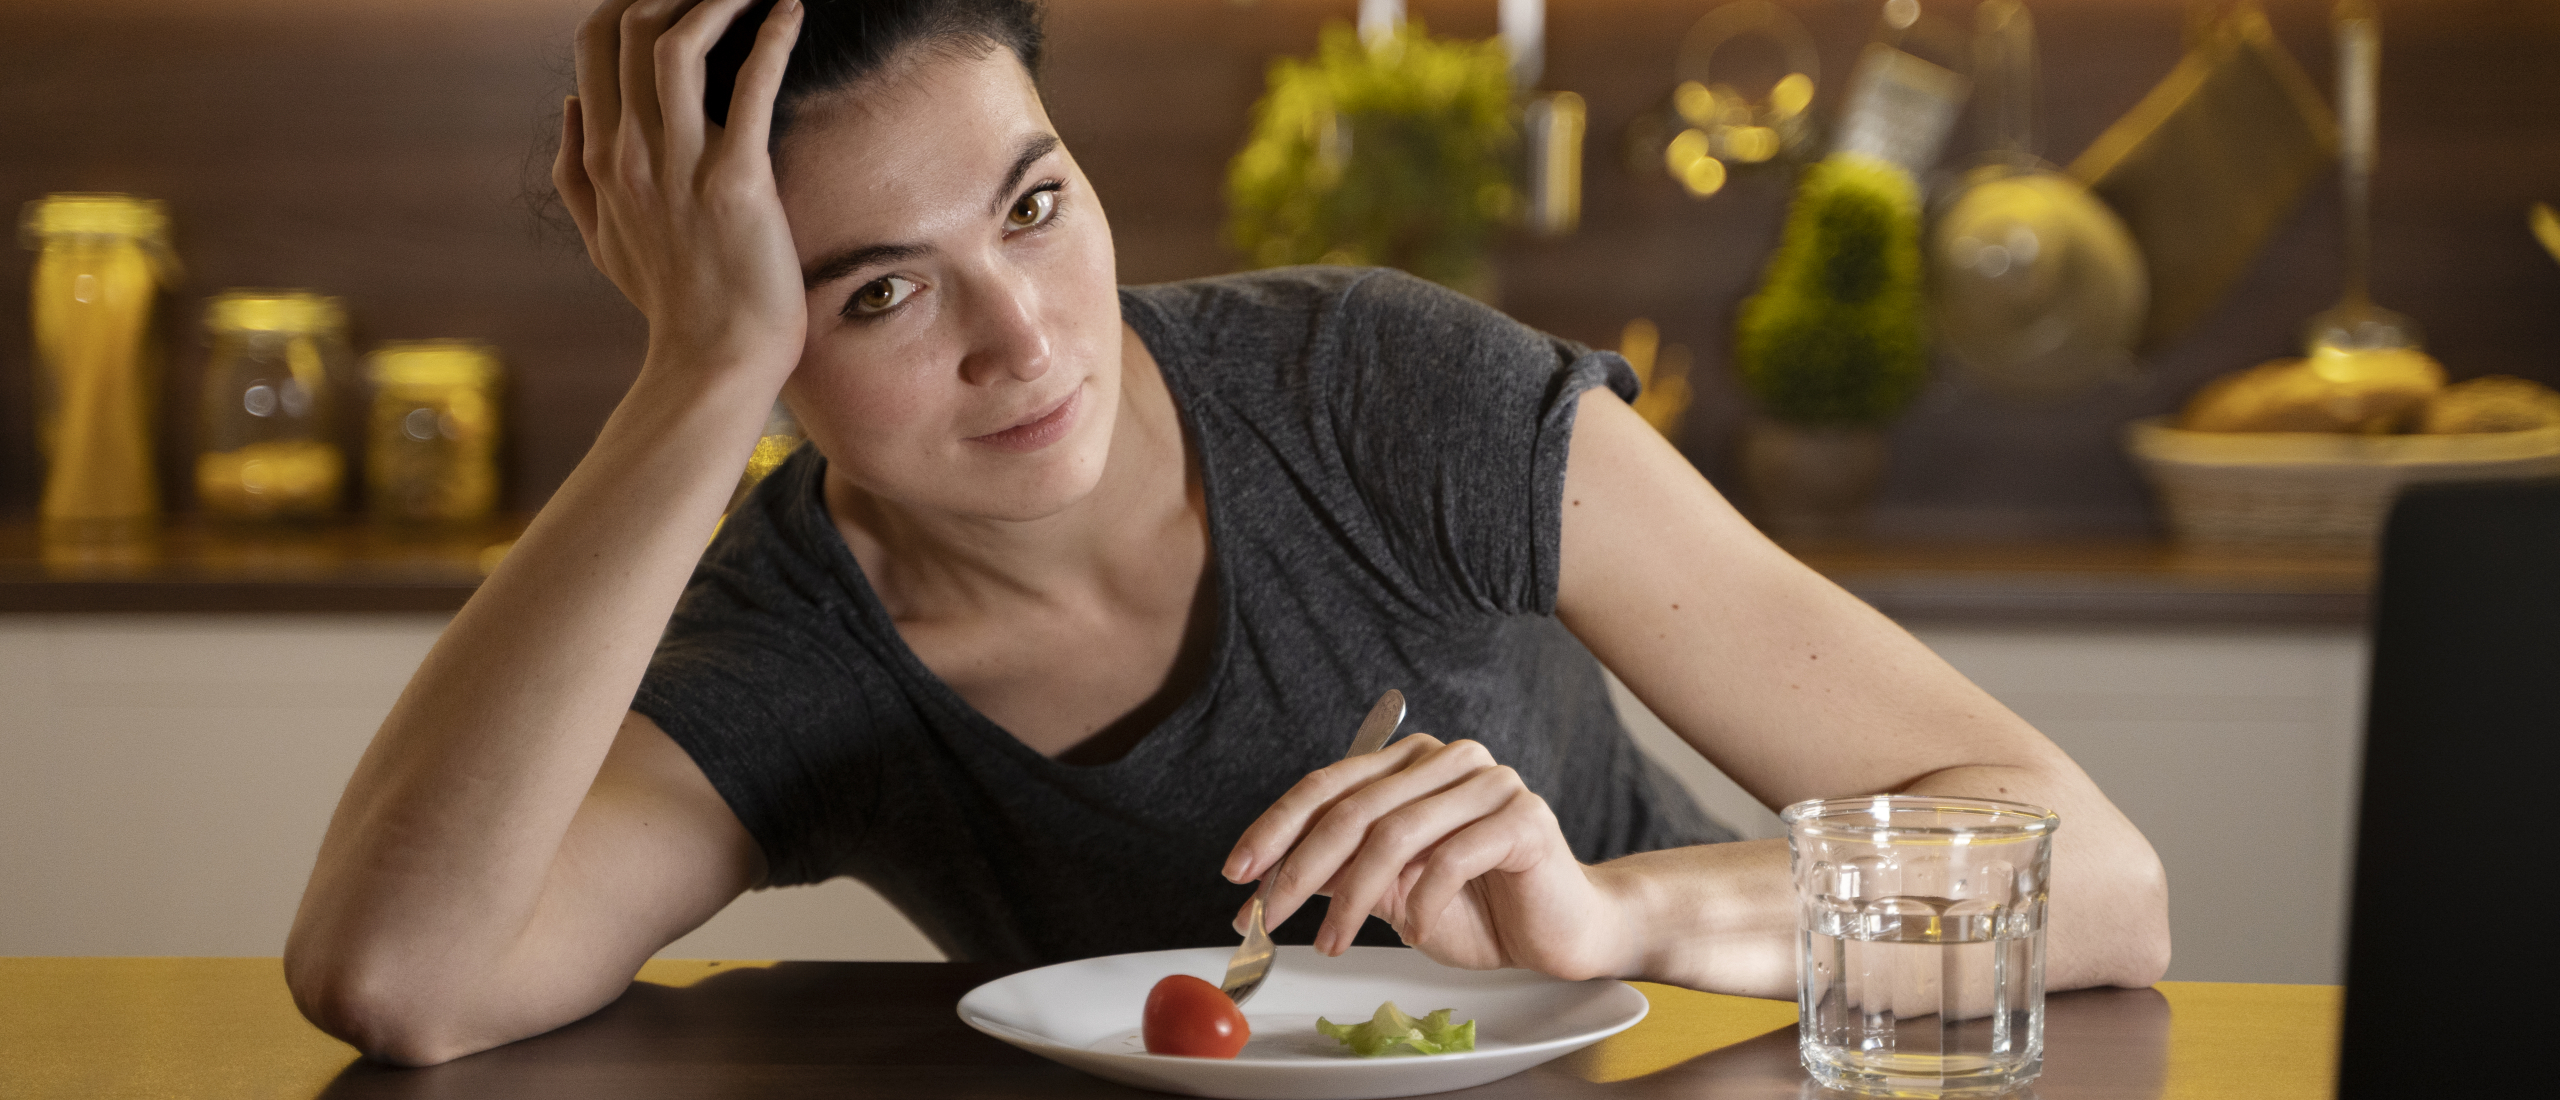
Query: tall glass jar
(268, 406)
(101, 261)
(432, 444)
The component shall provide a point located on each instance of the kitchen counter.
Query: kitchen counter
(225, 691)
(193, 567)
(2095, 582)
(356, 568)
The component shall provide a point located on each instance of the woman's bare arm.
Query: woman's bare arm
(515, 842)
(1790, 685)
(1798, 690)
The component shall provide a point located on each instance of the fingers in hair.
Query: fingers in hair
(760, 79)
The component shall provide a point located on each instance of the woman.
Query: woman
(1078, 593)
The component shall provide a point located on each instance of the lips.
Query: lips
(1049, 426)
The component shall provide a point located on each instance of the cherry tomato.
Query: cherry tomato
(1190, 1017)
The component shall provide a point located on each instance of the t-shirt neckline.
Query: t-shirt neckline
(1159, 337)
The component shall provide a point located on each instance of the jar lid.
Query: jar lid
(293, 312)
(92, 213)
(433, 363)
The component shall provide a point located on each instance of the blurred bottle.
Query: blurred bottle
(101, 260)
(432, 445)
(1553, 124)
(268, 405)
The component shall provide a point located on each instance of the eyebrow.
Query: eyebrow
(850, 260)
(1033, 148)
(855, 259)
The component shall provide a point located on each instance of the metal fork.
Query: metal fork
(1252, 961)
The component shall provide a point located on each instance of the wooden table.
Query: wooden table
(100, 1029)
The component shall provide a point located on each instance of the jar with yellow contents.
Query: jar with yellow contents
(269, 405)
(431, 452)
(102, 260)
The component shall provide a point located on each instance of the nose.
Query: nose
(1006, 336)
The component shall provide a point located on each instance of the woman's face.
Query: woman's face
(964, 317)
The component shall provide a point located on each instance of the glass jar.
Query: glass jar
(101, 261)
(432, 445)
(268, 399)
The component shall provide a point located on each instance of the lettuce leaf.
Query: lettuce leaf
(1391, 1028)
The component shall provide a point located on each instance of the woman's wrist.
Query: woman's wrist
(719, 366)
(1718, 917)
(1642, 923)
(720, 399)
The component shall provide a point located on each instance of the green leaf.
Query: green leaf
(1396, 154)
(1835, 335)
(1391, 1028)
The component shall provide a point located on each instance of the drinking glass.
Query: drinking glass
(1920, 933)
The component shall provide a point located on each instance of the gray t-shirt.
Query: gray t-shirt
(1383, 462)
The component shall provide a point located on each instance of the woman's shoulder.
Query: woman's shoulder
(1331, 327)
(1326, 340)
(1273, 289)
(1294, 305)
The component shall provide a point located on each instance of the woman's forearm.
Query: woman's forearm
(1722, 917)
(440, 850)
(478, 882)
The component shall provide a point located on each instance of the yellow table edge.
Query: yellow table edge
(91, 1027)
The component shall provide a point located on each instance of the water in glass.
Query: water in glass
(1922, 949)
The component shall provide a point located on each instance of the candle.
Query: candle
(1524, 34)
(1379, 19)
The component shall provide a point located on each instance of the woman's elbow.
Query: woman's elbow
(374, 1009)
(2140, 952)
(2151, 960)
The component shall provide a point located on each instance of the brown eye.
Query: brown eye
(880, 295)
(1033, 209)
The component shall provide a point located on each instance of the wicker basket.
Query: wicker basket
(2309, 490)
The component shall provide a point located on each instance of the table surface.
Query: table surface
(107, 1028)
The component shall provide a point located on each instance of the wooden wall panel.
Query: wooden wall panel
(376, 150)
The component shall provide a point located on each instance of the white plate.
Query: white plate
(1085, 1014)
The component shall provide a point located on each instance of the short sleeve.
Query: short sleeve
(1457, 422)
(748, 681)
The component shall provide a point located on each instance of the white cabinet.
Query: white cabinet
(2233, 750)
(164, 780)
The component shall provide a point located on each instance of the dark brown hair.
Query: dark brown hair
(843, 41)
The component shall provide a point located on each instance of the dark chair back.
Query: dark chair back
(2462, 743)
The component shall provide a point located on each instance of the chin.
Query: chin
(1044, 483)
(1025, 496)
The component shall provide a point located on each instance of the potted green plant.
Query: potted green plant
(1394, 152)
(1833, 345)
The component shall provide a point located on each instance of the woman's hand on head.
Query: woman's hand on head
(1448, 846)
(682, 214)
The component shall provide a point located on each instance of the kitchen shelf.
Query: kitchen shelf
(193, 567)
(2129, 581)
(352, 567)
